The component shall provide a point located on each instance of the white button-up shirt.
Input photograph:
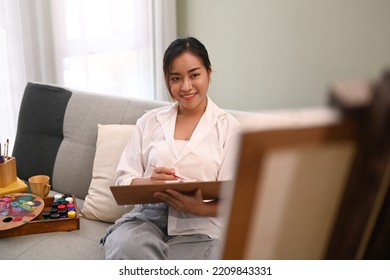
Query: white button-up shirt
(208, 156)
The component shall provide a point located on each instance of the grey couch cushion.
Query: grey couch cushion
(57, 132)
(74, 163)
(39, 132)
(73, 167)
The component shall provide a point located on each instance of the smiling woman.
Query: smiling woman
(192, 137)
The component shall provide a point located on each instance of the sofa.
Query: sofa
(76, 139)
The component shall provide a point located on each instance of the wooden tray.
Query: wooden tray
(38, 225)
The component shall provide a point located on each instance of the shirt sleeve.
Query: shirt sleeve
(130, 164)
(228, 166)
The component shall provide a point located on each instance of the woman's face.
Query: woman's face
(189, 81)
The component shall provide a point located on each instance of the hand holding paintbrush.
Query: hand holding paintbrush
(174, 175)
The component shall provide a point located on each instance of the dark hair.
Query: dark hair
(181, 45)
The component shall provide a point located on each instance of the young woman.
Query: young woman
(193, 138)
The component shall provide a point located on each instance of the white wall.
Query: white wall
(285, 53)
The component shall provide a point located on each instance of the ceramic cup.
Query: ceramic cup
(40, 185)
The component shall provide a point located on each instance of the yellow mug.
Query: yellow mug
(40, 185)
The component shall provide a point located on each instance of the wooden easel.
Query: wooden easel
(358, 226)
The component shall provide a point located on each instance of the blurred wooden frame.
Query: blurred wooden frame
(264, 214)
(344, 214)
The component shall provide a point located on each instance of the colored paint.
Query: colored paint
(54, 216)
(55, 204)
(61, 207)
(63, 213)
(17, 209)
(71, 214)
(46, 215)
(57, 196)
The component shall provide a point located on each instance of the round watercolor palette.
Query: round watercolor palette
(19, 208)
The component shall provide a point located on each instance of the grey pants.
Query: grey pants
(139, 238)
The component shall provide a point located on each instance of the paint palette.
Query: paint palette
(18, 209)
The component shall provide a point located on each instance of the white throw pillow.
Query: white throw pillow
(99, 203)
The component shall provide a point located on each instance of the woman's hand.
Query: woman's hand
(159, 175)
(162, 173)
(192, 204)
